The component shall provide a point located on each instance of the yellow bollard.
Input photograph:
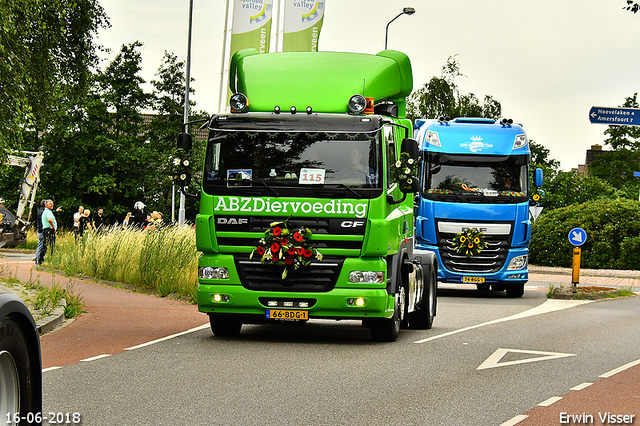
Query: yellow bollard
(575, 272)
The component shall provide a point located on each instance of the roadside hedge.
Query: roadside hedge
(613, 235)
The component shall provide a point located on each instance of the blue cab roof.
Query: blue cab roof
(472, 136)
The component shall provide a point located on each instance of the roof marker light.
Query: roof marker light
(293, 110)
(276, 109)
(309, 109)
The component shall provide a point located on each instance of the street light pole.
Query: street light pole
(181, 211)
(405, 11)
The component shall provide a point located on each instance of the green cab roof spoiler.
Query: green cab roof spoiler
(322, 80)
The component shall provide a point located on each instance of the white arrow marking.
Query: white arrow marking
(494, 360)
(577, 236)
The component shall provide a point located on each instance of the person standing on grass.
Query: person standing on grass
(98, 221)
(49, 228)
(40, 234)
(76, 221)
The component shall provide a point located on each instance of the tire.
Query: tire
(422, 319)
(515, 290)
(18, 375)
(388, 329)
(225, 326)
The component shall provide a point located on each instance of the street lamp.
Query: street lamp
(405, 11)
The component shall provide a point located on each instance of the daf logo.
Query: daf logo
(465, 229)
(231, 221)
(351, 223)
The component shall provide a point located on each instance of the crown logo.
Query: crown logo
(476, 138)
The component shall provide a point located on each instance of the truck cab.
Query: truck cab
(473, 208)
(303, 213)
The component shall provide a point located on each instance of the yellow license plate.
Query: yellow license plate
(287, 314)
(472, 279)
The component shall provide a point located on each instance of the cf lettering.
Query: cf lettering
(351, 223)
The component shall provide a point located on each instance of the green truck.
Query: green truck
(306, 205)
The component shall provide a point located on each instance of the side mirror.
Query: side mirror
(537, 178)
(185, 142)
(410, 146)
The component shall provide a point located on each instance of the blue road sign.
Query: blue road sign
(577, 236)
(612, 116)
(636, 174)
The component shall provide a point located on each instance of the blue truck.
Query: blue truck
(473, 204)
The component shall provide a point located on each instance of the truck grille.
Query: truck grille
(317, 277)
(490, 260)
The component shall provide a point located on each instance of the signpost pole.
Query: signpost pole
(575, 272)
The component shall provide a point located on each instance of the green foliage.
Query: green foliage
(612, 228)
(47, 50)
(163, 259)
(440, 97)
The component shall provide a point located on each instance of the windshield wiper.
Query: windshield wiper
(265, 184)
(342, 185)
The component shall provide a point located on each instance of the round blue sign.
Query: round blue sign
(577, 236)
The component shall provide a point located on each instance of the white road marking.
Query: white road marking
(93, 358)
(580, 387)
(515, 420)
(550, 401)
(619, 369)
(44, 370)
(494, 360)
(551, 305)
(142, 345)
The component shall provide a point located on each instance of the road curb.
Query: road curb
(47, 323)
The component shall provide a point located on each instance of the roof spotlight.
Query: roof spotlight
(309, 109)
(276, 109)
(293, 110)
(357, 104)
(238, 102)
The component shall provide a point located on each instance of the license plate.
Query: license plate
(287, 314)
(472, 279)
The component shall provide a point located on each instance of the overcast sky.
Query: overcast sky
(547, 61)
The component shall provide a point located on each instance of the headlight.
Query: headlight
(238, 102)
(366, 277)
(210, 273)
(519, 262)
(433, 138)
(357, 104)
(521, 141)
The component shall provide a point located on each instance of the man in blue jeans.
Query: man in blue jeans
(38, 258)
(49, 228)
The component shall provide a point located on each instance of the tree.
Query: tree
(47, 50)
(440, 97)
(632, 6)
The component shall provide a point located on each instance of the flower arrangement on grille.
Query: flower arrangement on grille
(404, 171)
(283, 246)
(469, 242)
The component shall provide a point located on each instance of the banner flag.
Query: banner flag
(251, 25)
(302, 24)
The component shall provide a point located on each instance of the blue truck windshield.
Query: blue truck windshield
(241, 160)
(504, 181)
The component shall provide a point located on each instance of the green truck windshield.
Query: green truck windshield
(243, 160)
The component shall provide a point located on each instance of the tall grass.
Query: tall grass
(164, 259)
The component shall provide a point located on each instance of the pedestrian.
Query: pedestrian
(137, 218)
(85, 223)
(39, 231)
(76, 221)
(126, 221)
(49, 228)
(98, 221)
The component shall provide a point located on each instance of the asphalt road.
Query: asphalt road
(487, 360)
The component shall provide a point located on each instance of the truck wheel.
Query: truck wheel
(422, 319)
(225, 326)
(387, 330)
(516, 290)
(17, 393)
